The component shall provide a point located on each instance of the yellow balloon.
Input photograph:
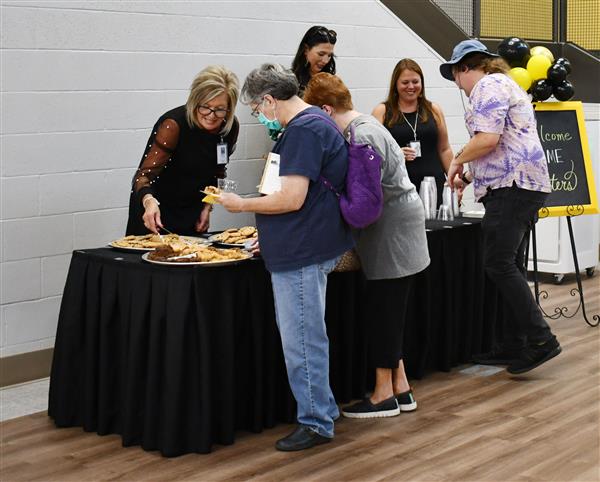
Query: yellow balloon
(540, 50)
(537, 66)
(522, 77)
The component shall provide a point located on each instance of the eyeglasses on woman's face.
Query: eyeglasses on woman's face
(255, 110)
(205, 111)
(255, 113)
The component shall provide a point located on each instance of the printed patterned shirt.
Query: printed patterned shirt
(499, 106)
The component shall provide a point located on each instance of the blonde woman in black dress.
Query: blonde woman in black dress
(188, 149)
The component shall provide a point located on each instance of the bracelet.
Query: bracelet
(464, 179)
(147, 199)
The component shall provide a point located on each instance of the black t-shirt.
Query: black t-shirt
(312, 148)
(429, 164)
(176, 173)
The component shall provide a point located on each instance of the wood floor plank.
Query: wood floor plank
(540, 426)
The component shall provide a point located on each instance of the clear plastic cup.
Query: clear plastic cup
(445, 213)
(227, 185)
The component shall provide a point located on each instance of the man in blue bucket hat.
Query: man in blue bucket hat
(510, 177)
(463, 48)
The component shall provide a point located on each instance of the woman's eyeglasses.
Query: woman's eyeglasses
(219, 113)
(255, 113)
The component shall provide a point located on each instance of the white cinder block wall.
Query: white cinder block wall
(84, 81)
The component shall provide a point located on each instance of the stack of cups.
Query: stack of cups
(446, 212)
(428, 194)
(455, 205)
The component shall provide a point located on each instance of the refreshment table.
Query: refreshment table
(177, 359)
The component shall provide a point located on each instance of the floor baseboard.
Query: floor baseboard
(25, 367)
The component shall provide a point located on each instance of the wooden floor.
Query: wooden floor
(540, 426)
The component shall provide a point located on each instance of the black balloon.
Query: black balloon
(564, 62)
(563, 91)
(515, 51)
(556, 74)
(541, 90)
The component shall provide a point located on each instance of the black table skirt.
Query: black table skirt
(177, 359)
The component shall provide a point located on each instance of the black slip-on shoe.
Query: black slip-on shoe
(498, 356)
(406, 401)
(301, 438)
(534, 355)
(366, 409)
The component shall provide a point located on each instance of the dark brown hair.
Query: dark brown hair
(327, 89)
(315, 35)
(392, 103)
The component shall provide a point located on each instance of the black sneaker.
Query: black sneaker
(406, 401)
(498, 356)
(534, 355)
(366, 409)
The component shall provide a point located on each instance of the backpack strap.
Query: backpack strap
(323, 179)
(329, 186)
(328, 119)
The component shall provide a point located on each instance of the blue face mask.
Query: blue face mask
(273, 126)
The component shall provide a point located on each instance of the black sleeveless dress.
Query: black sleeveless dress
(177, 174)
(429, 164)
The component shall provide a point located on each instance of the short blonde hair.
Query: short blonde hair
(211, 82)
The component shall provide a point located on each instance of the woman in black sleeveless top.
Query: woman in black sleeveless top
(410, 117)
(185, 153)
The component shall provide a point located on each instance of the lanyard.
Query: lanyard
(414, 129)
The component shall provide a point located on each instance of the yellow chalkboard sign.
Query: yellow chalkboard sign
(561, 128)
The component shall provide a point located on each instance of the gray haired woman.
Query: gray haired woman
(302, 235)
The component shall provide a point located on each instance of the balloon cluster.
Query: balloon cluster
(536, 71)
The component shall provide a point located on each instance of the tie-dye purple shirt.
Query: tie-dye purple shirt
(499, 106)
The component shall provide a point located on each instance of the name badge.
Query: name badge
(416, 145)
(222, 153)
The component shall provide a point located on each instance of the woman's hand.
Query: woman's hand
(254, 248)
(151, 215)
(203, 221)
(410, 154)
(232, 202)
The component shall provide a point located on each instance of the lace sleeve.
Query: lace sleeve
(162, 144)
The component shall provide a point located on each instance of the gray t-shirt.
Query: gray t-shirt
(395, 245)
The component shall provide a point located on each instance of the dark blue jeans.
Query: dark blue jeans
(509, 215)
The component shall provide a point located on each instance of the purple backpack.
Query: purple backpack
(361, 202)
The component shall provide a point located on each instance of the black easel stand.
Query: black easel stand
(561, 310)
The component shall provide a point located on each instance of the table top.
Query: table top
(109, 254)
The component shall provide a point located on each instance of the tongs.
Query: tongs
(186, 241)
(183, 256)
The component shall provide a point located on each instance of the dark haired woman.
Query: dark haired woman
(417, 124)
(314, 55)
